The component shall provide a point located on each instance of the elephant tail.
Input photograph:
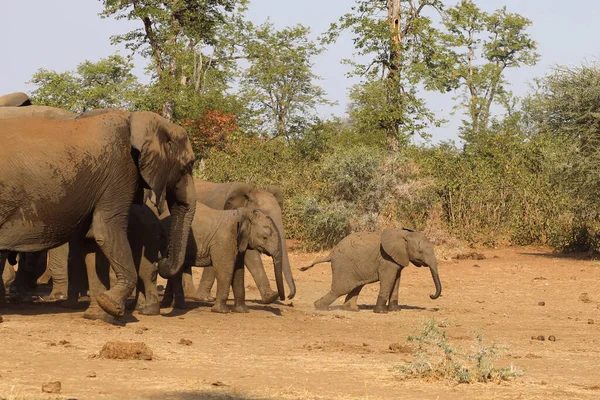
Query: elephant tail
(318, 261)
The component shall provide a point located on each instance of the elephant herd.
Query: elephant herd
(102, 202)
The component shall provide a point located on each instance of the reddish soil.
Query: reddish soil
(293, 352)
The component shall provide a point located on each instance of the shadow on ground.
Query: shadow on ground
(202, 395)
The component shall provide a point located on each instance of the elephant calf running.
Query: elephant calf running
(363, 258)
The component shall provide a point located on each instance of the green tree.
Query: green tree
(103, 84)
(175, 36)
(485, 45)
(405, 52)
(279, 82)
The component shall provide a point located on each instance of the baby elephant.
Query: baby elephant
(220, 239)
(362, 258)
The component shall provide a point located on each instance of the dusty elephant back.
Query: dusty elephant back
(357, 253)
(41, 112)
(17, 99)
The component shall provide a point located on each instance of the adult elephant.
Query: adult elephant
(16, 99)
(232, 196)
(62, 180)
(43, 112)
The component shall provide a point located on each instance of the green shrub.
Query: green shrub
(436, 358)
(350, 172)
(319, 225)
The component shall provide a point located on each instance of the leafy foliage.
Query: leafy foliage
(436, 358)
(484, 46)
(279, 82)
(108, 83)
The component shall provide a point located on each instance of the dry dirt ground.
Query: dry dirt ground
(286, 351)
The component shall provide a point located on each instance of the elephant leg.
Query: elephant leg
(206, 283)
(44, 279)
(148, 292)
(324, 302)
(224, 271)
(97, 267)
(239, 291)
(177, 290)
(57, 268)
(20, 284)
(393, 303)
(351, 299)
(113, 241)
(387, 278)
(255, 266)
(167, 300)
(189, 290)
(2, 275)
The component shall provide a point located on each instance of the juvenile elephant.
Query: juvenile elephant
(43, 112)
(362, 258)
(220, 239)
(17, 99)
(232, 196)
(62, 180)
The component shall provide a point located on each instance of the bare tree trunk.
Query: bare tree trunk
(393, 76)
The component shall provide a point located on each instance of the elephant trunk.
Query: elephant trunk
(182, 215)
(436, 280)
(278, 266)
(287, 269)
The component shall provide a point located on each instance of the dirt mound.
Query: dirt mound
(126, 351)
(473, 255)
(333, 345)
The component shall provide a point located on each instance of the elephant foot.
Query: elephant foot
(180, 304)
(166, 302)
(220, 308)
(380, 307)
(320, 306)
(204, 296)
(55, 296)
(393, 306)
(44, 279)
(269, 297)
(131, 304)
(96, 313)
(350, 307)
(241, 308)
(152, 309)
(112, 307)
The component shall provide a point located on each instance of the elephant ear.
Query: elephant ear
(246, 216)
(276, 191)
(238, 196)
(394, 243)
(159, 144)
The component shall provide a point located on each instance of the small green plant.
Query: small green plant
(437, 359)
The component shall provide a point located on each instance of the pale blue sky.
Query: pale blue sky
(59, 34)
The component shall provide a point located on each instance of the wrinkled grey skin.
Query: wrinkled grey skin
(17, 99)
(81, 179)
(362, 258)
(44, 112)
(231, 196)
(220, 239)
(148, 241)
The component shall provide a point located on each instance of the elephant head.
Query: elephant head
(165, 160)
(404, 245)
(270, 202)
(258, 231)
